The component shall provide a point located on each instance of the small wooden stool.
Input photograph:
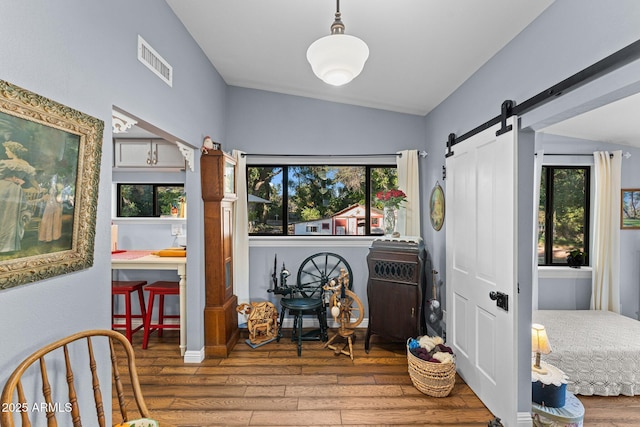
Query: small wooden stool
(160, 288)
(126, 288)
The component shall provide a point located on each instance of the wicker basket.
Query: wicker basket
(433, 379)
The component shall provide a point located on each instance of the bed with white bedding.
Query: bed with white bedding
(598, 350)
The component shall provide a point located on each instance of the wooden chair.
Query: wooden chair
(70, 414)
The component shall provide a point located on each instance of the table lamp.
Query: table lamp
(539, 344)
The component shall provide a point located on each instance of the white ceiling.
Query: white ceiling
(615, 123)
(420, 50)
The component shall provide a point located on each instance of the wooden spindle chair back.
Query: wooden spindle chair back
(14, 386)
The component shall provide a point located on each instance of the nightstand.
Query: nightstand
(552, 405)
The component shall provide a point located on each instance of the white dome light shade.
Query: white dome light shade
(337, 58)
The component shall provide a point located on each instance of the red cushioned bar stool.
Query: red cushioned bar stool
(126, 288)
(161, 289)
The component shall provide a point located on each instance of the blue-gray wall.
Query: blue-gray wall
(83, 54)
(267, 122)
(263, 122)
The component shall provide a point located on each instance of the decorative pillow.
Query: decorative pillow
(142, 422)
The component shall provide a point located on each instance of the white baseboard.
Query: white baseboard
(197, 356)
(288, 323)
(194, 356)
(137, 322)
(524, 419)
(314, 323)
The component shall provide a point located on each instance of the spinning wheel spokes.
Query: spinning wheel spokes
(317, 270)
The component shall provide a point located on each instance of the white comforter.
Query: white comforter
(598, 350)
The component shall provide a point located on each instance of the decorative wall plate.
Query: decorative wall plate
(436, 207)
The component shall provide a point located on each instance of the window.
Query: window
(563, 215)
(150, 200)
(317, 200)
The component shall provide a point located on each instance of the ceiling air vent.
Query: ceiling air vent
(156, 63)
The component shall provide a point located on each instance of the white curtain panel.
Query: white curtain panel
(409, 182)
(537, 176)
(605, 260)
(241, 234)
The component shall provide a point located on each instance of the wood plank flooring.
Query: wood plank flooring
(272, 386)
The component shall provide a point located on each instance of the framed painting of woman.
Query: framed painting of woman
(49, 172)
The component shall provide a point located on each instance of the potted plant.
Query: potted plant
(575, 259)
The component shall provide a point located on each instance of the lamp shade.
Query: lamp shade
(539, 339)
(337, 58)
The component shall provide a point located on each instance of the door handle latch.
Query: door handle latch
(502, 300)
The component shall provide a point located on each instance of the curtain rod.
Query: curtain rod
(422, 154)
(626, 154)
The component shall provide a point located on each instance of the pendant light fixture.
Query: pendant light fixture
(337, 58)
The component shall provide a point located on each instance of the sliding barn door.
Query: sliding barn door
(481, 254)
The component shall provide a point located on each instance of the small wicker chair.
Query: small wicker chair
(71, 404)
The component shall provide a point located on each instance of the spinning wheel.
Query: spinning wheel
(350, 312)
(307, 295)
(347, 310)
(316, 271)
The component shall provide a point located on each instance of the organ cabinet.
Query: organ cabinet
(396, 289)
(217, 170)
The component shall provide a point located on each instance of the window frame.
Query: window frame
(547, 173)
(285, 196)
(156, 209)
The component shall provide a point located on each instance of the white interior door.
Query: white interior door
(481, 255)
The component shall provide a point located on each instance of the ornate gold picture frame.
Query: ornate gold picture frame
(49, 174)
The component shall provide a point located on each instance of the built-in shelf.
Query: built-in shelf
(548, 272)
(161, 220)
(311, 241)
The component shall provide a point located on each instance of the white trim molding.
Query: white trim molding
(524, 419)
(120, 123)
(187, 153)
(194, 356)
(546, 272)
(311, 241)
